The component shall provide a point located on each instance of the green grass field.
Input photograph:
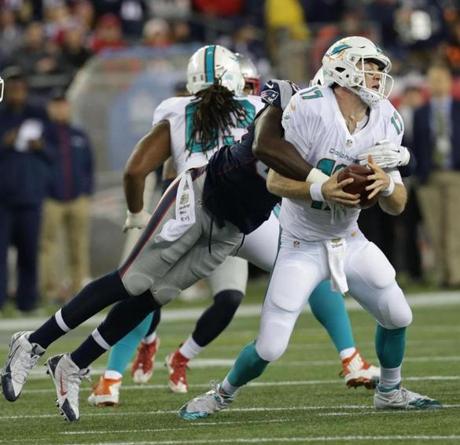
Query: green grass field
(299, 399)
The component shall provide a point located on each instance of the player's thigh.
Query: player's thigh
(197, 263)
(261, 246)
(232, 274)
(296, 273)
(159, 247)
(371, 280)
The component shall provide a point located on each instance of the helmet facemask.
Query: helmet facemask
(2, 87)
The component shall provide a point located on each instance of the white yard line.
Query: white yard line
(116, 413)
(305, 439)
(39, 372)
(250, 310)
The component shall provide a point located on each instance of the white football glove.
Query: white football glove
(386, 154)
(136, 220)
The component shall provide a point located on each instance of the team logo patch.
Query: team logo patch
(269, 96)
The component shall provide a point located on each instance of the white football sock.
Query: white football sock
(228, 388)
(346, 353)
(112, 375)
(190, 349)
(150, 338)
(390, 377)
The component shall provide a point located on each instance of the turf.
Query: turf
(299, 399)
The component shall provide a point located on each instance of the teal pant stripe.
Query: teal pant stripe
(329, 309)
(209, 63)
(247, 367)
(123, 351)
(390, 345)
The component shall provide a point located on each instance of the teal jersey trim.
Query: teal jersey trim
(209, 63)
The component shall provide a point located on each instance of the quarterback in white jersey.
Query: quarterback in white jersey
(314, 123)
(332, 127)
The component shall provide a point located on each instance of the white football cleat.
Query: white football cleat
(402, 398)
(206, 404)
(106, 392)
(67, 377)
(358, 372)
(22, 357)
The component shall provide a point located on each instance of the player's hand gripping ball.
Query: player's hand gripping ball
(359, 173)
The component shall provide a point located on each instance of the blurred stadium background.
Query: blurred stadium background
(117, 59)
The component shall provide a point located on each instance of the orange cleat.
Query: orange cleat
(357, 372)
(106, 392)
(142, 367)
(177, 367)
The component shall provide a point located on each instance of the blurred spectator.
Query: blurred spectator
(67, 205)
(108, 34)
(35, 57)
(74, 52)
(286, 16)
(157, 33)
(323, 11)
(437, 148)
(10, 34)
(83, 13)
(409, 221)
(219, 8)
(56, 19)
(451, 49)
(181, 32)
(133, 14)
(24, 172)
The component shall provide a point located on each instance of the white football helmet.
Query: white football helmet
(343, 64)
(250, 74)
(2, 86)
(318, 80)
(214, 63)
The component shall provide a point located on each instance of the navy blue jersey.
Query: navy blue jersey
(235, 188)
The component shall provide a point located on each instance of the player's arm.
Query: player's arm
(149, 153)
(393, 195)
(277, 153)
(320, 190)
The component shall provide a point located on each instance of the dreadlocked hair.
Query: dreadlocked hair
(216, 111)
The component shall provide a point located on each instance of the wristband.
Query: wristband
(317, 175)
(316, 193)
(390, 189)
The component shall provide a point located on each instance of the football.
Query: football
(359, 173)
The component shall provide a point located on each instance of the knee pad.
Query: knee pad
(136, 283)
(165, 293)
(273, 339)
(270, 351)
(229, 299)
(395, 310)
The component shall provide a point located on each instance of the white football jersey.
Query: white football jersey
(314, 124)
(179, 112)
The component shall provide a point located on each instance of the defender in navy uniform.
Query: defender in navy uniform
(184, 241)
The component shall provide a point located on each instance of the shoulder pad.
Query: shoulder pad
(278, 92)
